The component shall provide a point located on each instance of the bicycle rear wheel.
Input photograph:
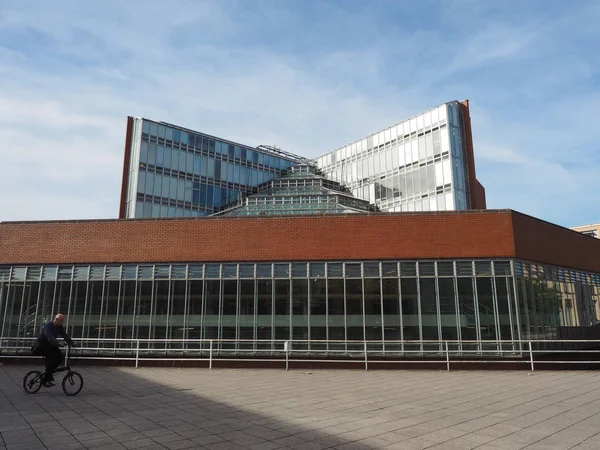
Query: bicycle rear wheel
(72, 383)
(32, 382)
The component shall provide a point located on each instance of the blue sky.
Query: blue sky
(308, 76)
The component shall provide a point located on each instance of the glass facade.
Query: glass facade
(175, 172)
(416, 165)
(332, 306)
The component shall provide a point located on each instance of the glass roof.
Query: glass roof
(301, 190)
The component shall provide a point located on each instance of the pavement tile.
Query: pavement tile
(586, 446)
(115, 446)
(270, 409)
(156, 431)
(91, 436)
(176, 445)
(225, 446)
(197, 432)
(100, 442)
(207, 440)
(25, 445)
(266, 446)
(66, 446)
(164, 438)
(139, 443)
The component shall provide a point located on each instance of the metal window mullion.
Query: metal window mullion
(117, 333)
(476, 306)
(291, 305)
(186, 301)
(400, 309)
(4, 321)
(510, 309)
(496, 311)
(438, 308)
(70, 296)
(364, 318)
(152, 308)
(203, 306)
(476, 312)
(134, 321)
(255, 313)
(54, 292)
(74, 301)
(530, 298)
(237, 310)
(519, 335)
(419, 311)
(84, 321)
(457, 311)
(3, 288)
(345, 315)
(220, 312)
(12, 309)
(381, 307)
(327, 311)
(272, 308)
(100, 321)
(309, 296)
(169, 304)
(37, 303)
(20, 321)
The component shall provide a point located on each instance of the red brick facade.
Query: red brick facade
(537, 240)
(468, 234)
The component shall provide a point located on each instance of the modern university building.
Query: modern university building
(425, 163)
(384, 243)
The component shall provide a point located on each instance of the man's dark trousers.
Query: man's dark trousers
(54, 357)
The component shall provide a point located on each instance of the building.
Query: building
(592, 230)
(170, 171)
(290, 253)
(327, 282)
(425, 163)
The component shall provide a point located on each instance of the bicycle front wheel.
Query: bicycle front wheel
(32, 382)
(72, 383)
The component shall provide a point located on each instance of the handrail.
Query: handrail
(389, 352)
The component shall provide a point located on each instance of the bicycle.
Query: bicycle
(72, 383)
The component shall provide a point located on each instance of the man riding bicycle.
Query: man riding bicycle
(49, 346)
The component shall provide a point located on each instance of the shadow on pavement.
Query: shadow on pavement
(158, 408)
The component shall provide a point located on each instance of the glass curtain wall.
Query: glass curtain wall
(415, 165)
(328, 308)
(176, 172)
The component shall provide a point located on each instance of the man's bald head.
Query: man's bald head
(58, 320)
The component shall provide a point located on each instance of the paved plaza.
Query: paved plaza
(152, 408)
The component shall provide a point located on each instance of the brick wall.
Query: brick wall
(379, 236)
(465, 234)
(541, 241)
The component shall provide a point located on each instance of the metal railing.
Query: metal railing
(367, 353)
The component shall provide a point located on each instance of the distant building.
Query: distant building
(592, 230)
